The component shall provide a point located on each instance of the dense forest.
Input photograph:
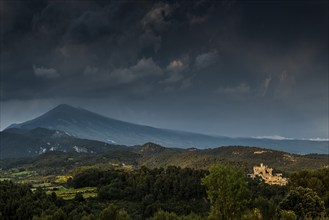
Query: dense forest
(222, 192)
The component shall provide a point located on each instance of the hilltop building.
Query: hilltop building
(266, 174)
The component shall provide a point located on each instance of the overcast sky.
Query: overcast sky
(234, 68)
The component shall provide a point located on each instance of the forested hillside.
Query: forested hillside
(172, 193)
(155, 182)
(154, 156)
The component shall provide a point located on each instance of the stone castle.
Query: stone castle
(266, 174)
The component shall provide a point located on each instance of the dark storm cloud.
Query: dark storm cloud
(67, 40)
(267, 58)
(69, 37)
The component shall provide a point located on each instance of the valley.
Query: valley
(54, 169)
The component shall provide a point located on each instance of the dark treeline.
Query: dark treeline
(175, 189)
(223, 192)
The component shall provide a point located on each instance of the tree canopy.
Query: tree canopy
(304, 202)
(227, 191)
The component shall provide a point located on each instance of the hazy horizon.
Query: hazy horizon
(274, 137)
(230, 68)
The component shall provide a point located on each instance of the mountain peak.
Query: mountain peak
(64, 107)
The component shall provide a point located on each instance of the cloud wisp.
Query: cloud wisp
(49, 73)
(143, 68)
(206, 59)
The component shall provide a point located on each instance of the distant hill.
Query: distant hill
(246, 157)
(84, 124)
(153, 155)
(17, 142)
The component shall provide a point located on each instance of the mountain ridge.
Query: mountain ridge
(16, 142)
(85, 124)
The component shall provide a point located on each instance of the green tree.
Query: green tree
(113, 212)
(252, 215)
(191, 216)
(227, 191)
(163, 215)
(266, 207)
(304, 202)
(79, 197)
(317, 180)
(58, 215)
(287, 215)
